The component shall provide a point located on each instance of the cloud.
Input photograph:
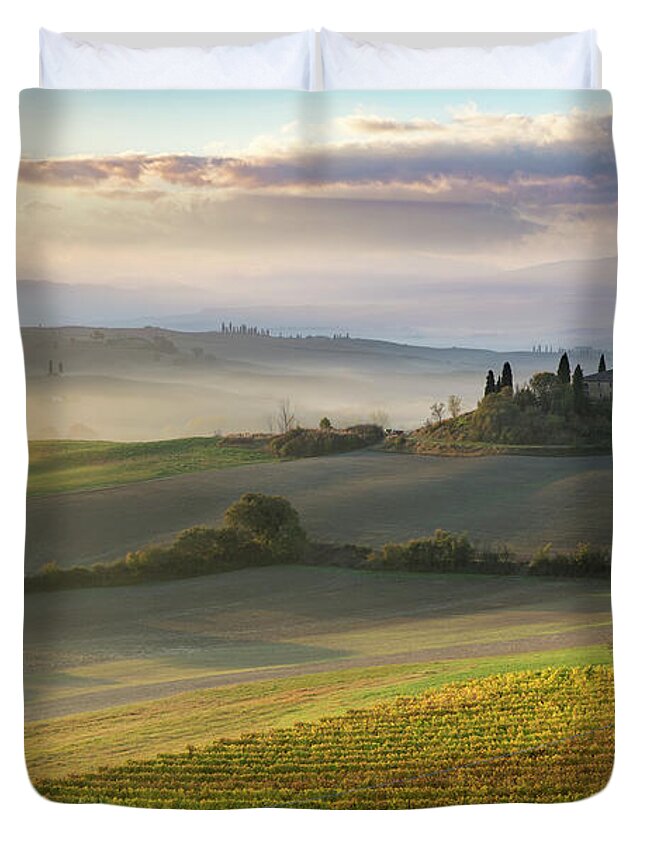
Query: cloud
(127, 169)
(190, 170)
(378, 124)
(368, 192)
(549, 159)
(81, 172)
(469, 125)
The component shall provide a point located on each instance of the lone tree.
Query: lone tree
(437, 410)
(286, 417)
(454, 405)
(507, 376)
(269, 521)
(489, 388)
(579, 398)
(602, 365)
(564, 370)
(325, 423)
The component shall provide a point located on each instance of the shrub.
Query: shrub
(398, 441)
(584, 561)
(439, 552)
(198, 551)
(499, 560)
(270, 522)
(259, 530)
(52, 577)
(301, 442)
(151, 561)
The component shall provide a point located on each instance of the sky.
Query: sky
(402, 215)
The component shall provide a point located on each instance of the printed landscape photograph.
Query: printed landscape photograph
(319, 397)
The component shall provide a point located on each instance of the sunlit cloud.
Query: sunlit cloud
(327, 209)
(379, 125)
(554, 157)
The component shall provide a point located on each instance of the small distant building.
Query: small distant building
(599, 386)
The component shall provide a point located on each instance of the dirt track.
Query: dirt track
(366, 497)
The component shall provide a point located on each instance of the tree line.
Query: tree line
(265, 530)
(243, 329)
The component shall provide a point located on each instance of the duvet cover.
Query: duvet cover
(319, 392)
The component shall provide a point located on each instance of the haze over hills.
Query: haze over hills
(571, 304)
(150, 383)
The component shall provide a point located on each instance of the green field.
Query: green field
(112, 674)
(63, 466)
(544, 736)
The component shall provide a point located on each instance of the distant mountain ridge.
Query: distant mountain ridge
(569, 302)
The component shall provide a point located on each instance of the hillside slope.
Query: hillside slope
(518, 737)
(499, 424)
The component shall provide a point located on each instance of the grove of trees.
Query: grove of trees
(552, 408)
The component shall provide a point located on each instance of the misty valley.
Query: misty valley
(150, 383)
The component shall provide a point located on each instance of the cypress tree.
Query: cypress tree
(490, 383)
(564, 370)
(579, 398)
(507, 376)
(602, 366)
(498, 384)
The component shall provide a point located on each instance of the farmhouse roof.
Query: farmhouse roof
(603, 376)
